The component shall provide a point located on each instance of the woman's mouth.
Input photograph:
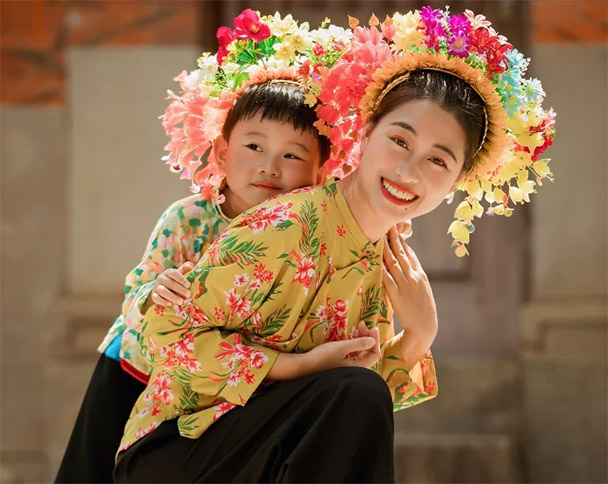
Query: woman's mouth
(397, 194)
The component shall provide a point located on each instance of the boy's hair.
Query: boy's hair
(276, 102)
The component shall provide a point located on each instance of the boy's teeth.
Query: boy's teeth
(396, 193)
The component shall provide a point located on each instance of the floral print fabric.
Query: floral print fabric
(286, 276)
(182, 234)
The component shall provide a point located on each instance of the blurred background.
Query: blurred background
(521, 352)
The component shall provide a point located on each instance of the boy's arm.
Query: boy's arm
(170, 245)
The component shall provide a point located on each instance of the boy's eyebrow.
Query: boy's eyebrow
(258, 133)
(406, 126)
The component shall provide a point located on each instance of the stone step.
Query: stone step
(455, 458)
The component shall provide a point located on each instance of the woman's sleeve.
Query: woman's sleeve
(237, 290)
(407, 388)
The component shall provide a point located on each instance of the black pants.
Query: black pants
(335, 426)
(107, 404)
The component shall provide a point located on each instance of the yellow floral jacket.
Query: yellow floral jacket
(286, 276)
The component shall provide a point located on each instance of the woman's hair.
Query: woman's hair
(276, 102)
(451, 93)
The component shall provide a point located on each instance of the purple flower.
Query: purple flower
(458, 43)
(432, 23)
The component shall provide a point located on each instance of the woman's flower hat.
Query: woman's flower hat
(518, 130)
(257, 50)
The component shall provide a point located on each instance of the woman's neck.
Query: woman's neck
(373, 228)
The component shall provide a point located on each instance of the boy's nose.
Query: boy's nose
(269, 168)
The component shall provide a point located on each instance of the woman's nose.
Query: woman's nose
(408, 171)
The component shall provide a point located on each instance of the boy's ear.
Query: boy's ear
(220, 147)
(321, 175)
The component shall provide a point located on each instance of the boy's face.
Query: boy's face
(264, 158)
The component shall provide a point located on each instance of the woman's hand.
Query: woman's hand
(409, 291)
(171, 288)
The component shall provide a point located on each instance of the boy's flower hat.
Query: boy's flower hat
(257, 50)
(507, 165)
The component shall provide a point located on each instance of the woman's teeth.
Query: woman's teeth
(396, 193)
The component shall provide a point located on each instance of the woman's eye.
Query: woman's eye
(401, 143)
(254, 147)
(438, 161)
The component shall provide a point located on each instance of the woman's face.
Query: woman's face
(410, 161)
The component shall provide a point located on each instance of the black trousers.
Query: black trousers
(108, 401)
(335, 426)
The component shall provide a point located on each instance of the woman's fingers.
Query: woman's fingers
(186, 267)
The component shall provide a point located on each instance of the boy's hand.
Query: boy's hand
(171, 287)
(361, 351)
(409, 290)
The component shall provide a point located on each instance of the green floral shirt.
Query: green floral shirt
(182, 234)
(286, 276)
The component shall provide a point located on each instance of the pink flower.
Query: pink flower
(238, 306)
(185, 346)
(222, 408)
(219, 314)
(258, 359)
(305, 272)
(249, 26)
(240, 280)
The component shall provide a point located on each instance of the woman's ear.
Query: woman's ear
(220, 148)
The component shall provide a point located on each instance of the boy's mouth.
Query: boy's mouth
(397, 194)
(266, 186)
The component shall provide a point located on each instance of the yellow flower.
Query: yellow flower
(474, 189)
(542, 167)
(459, 232)
(516, 194)
(285, 50)
(464, 211)
(407, 33)
(477, 208)
(298, 42)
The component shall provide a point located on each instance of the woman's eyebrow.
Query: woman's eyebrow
(406, 126)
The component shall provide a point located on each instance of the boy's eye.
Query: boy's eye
(291, 156)
(254, 147)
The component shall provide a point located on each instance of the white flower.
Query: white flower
(230, 67)
(195, 79)
(208, 64)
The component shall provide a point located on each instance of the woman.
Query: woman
(263, 375)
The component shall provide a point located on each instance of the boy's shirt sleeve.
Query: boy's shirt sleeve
(408, 388)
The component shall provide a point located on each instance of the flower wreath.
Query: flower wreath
(507, 166)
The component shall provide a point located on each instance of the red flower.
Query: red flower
(224, 36)
(339, 45)
(304, 69)
(318, 50)
(341, 230)
(248, 26)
